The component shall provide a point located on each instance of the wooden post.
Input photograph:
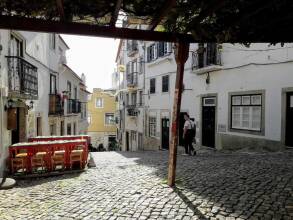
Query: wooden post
(181, 56)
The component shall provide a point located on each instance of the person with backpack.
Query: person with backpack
(188, 135)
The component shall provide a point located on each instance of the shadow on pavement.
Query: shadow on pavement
(235, 185)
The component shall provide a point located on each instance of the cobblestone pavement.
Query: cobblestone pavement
(133, 186)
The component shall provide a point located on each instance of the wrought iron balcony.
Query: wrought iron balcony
(206, 56)
(132, 110)
(55, 105)
(132, 47)
(73, 106)
(22, 78)
(132, 79)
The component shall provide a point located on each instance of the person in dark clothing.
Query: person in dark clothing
(188, 135)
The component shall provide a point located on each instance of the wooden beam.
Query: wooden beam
(60, 8)
(181, 56)
(167, 6)
(115, 13)
(39, 25)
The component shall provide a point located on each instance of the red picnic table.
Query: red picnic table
(32, 148)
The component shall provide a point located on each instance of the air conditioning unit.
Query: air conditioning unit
(4, 91)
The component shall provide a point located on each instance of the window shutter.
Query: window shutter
(200, 55)
(161, 48)
(148, 54)
(155, 50)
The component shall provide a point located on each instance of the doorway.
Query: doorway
(127, 141)
(18, 134)
(165, 133)
(140, 141)
(180, 128)
(289, 120)
(39, 126)
(208, 121)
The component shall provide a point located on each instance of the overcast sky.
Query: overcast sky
(93, 56)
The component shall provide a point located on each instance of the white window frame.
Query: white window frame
(102, 105)
(105, 119)
(239, 102)
(152, 126)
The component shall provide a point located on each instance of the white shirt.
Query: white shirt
(188, 124)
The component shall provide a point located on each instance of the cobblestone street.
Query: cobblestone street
(132, 185)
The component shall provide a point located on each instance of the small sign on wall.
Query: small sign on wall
(222, 128)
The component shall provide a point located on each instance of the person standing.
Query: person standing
(188, 135)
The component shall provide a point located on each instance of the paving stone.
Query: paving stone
(131, 185)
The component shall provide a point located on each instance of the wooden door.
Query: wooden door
(208, 121)
(165, 133)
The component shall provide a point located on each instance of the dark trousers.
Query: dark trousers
(188, 142)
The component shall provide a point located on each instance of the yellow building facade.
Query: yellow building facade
(101, 117)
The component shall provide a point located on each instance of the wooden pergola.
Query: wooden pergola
(183, 22)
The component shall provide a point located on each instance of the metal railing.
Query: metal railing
(132, 110)
(22, 76)
(206, 57)
(73, 106)
(131, 46)
(55, 105)
(132, 79)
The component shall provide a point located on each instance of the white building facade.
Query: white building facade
(239, 97)
(30, 87)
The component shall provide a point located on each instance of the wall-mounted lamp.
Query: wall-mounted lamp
(208, 78)
(31, 105)
(8, 105)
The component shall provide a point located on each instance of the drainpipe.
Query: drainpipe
(1, 114)
(144, 107)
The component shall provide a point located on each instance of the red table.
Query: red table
(49, 146)
(68, 137)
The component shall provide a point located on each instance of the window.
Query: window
(133, 98)
(152, 126)
(68, 129)
(127, 99)
(140, 98)
(53, 129)
(153, 85)
(246, 112)
(75, 92)
(52, 41)
(109, 119)
(207, 55)
(99, 103)
(151, 53)
(62, 128)
(164, 48)
(69, 89)
(159, 49)
(53, 87)
(16, 46)
(165, 83)
(74, 128)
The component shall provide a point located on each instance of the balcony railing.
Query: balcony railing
(206, 56)
(22, 78)
(132, 79)
(73, 106)
(132, 47)
(55, 105)
(132, 110)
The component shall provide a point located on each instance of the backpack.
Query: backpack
(193, 129)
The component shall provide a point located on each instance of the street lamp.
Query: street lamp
(8, 105)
